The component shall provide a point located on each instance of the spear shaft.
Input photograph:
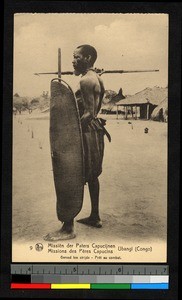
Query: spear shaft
(99, 71)
(59, 63)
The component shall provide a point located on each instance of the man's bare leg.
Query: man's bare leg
(65, 233)
(94, 218)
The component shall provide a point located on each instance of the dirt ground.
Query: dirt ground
(133, 185)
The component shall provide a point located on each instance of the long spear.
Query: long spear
(99, 71)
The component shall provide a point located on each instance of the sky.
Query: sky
(122, 41)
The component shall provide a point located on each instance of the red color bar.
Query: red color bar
(30, 286)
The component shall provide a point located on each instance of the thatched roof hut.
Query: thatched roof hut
(149, 95)
(119, 96)
(160, 113)
(110, 105)
(108, 95)
(146, 101)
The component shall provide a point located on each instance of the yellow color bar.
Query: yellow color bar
(71, 286)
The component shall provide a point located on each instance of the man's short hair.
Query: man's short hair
(88, 50)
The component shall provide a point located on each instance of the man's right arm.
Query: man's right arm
(87, 91)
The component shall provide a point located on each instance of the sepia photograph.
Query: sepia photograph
(90, 137)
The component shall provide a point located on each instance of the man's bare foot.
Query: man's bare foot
(59, 235)
(91, 222)
(65, 233)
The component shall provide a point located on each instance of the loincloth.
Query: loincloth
(93, 142)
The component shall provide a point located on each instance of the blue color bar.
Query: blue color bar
(150, 286)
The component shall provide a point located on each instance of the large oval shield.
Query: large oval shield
(66, 150)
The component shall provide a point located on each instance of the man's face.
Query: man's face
(80, 62)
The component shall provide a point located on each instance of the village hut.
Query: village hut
(143, 103)
(108, 95)
(109, 101)
(160, 113)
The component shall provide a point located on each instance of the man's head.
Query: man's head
(84, 57)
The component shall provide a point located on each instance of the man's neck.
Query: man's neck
(88, 69)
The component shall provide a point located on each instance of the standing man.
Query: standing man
(89, 97)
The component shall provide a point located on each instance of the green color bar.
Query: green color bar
(111, 286)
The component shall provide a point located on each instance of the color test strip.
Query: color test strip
(21, 278)
(70, 286)
(103, 286)
(59, 279)
(150, 286)
(30, 286)
(111, 286)
(158, 279)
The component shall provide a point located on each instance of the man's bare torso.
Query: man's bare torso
(92, 91)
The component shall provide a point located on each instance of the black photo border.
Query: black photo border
(174, 9)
